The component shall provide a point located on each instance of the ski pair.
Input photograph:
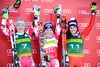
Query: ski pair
(65, 58)
(13, 44)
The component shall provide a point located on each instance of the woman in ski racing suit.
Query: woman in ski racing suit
(22, 39)
(75, 39)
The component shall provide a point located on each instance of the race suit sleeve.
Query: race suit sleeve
(33, 28)
(88, 29)
(4, 28)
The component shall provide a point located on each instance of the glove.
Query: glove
(58, 9)
(93, 7)
(5, 12)
(36, 10)
(17, 4)
(47, 58)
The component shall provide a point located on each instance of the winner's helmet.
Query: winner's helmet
(48, 25)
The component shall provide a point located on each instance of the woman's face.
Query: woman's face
(20, 28)
(48, 32)
(73, 29)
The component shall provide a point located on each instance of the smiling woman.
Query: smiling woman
(20, 25)
(75, 40)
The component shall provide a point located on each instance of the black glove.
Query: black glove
(93, 7)
(47, 58)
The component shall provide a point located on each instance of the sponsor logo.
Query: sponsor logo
(47, 11)
(98, 13)
(28, 24)
(86, 51)
(87, 38)
(34, 51)
(9, 65)
(98, 38)
(87, 65)
(64, 11)
(97, 25)
(49, 50)
(28, 11)
(9, 52)
(14, 12)
(83, 12)
(98, 64)
(83, 25)
(98, 52)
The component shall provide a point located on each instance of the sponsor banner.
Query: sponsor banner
(81, 12)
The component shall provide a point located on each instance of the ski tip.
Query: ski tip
(64, 18)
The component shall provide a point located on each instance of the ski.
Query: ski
(39, 25)
(15, 5)
(63, 34)
(12, 38)
(41, 41)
